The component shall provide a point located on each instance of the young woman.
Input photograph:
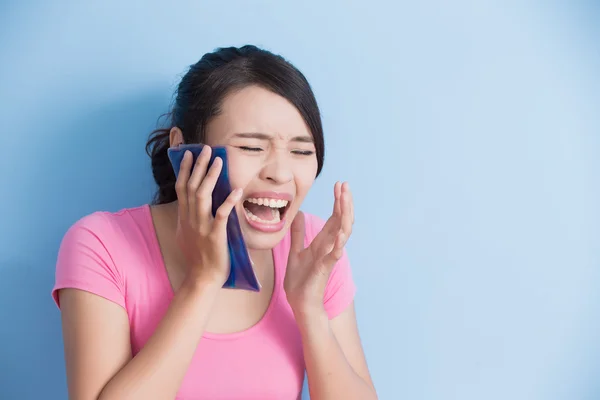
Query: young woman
(144, 311)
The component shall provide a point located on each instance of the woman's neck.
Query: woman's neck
(262, 261)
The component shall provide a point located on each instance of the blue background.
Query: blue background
(469, 131)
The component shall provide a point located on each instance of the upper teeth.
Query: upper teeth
(268, 202)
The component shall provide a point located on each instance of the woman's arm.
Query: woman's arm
(316, 289)
(334, 358)
(96, 330)
(98, 351)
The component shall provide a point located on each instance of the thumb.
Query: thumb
(297, 233)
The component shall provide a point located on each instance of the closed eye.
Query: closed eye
(246, 148)
(303, 152)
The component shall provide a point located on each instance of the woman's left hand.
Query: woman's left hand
(308, 269)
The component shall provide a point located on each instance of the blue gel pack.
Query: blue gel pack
(241, 273)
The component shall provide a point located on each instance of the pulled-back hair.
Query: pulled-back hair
(203, 88)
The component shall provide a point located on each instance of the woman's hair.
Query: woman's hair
(200, 95)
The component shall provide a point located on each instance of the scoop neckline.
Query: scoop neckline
(166, 282)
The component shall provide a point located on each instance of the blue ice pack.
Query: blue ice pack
(241, 273)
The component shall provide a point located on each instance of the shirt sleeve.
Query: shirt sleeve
(84, 261)
(340, 290)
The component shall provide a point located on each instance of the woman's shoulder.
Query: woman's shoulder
(100, 250)
(114, 232)
(90, 252)
(103, 223)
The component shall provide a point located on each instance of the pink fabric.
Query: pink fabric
(117, 256)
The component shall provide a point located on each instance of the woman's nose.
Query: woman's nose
(277, 168)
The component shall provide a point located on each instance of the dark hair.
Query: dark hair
(201, 92)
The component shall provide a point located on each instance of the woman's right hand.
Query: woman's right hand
(202, 237)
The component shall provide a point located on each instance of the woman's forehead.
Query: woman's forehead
(254, 110)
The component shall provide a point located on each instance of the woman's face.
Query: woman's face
(271, 156)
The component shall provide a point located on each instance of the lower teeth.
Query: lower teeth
(274, 211)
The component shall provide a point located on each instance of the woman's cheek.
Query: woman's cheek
(241, 170)
(306, 173)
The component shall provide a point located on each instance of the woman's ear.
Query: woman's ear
(175, 137)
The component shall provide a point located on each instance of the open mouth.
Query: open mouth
(265, 210)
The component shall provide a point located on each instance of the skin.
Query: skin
(193, 243)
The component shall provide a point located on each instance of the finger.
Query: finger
(351, 203)
(337, 191)
(331, 258)
(195, 179)
(346, 210)
(224, 210)
(181, 183)
(297, 233)
(325, 239)
(204, 192)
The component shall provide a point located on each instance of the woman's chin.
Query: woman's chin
(262, 241)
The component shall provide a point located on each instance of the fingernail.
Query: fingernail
(186, 156)
(237, 193)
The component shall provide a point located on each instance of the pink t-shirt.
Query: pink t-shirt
(117, 256)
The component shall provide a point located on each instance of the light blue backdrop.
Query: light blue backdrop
(469, 131)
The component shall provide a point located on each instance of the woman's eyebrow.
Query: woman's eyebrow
(264, 136)
(252, 135)
(303, 139)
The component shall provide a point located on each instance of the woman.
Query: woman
(144, 311)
